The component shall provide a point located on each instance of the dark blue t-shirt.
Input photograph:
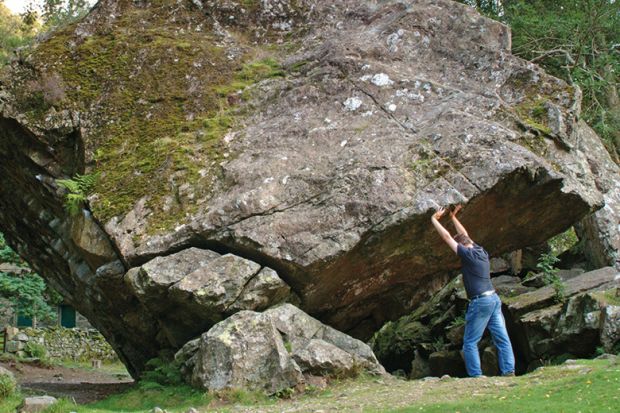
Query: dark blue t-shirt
(475, 268)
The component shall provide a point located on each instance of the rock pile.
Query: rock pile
(542, 327)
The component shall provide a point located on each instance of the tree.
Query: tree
(40, 16)
(60, 12)
(27, 292)
(13, 33)
(578, 41)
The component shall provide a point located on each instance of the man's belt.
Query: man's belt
(484, 294)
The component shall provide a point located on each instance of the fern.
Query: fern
(78, 190)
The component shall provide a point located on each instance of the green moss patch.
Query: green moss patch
(534, 114)
(158, 94)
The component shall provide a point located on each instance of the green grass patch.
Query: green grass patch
(594, 389)
(9, 404)
(144, 397)
(241, 396)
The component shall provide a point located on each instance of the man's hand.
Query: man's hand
(437, 215)
(455, 210)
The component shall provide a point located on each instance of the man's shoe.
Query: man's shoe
(509, 374)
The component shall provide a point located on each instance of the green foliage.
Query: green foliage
(490, 8)
(17, 31)
(36, 350)
(161, 372)
(285, 393)
(546, 264)
(7, 254)
(13, 34)
(29, 295)
(559, 288)
(8, 386)
(458, 321)
(550, 276)
(57, 13)
(438, 344)
(78, 190)
(28, 292)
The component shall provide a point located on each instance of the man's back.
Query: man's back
(475, 268)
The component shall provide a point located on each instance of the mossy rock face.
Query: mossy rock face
(313, 137)
(156, 91)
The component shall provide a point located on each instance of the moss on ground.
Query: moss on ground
(158, 97)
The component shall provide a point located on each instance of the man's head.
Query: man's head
(463, 240)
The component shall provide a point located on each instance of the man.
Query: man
(485, 308)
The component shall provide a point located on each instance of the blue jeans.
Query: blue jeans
(481, 313)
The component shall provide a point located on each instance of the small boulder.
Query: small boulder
(244, 351)
(610, 330)
(447, 362)
(5, 372)
(419, 367)
(488, 361)
(36, 404)
(271, 351)
(321, 358)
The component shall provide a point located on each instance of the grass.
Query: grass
(594, 388)
(588, 386)
(144, 398)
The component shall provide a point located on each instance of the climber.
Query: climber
(485, 307)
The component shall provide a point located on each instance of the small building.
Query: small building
(67, 317)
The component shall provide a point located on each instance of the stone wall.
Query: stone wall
(6, 312)
(61, 343)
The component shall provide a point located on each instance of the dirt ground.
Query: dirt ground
(77, 383)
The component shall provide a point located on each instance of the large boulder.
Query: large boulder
(311, 137)
(271, 351)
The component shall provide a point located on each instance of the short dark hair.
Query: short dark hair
(462, 239)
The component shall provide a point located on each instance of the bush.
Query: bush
(36, 350)
(8, 386)
(161, 372)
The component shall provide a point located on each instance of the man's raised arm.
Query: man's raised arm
(457, 224)
(443, 233)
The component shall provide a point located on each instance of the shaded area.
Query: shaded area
(76, 383)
